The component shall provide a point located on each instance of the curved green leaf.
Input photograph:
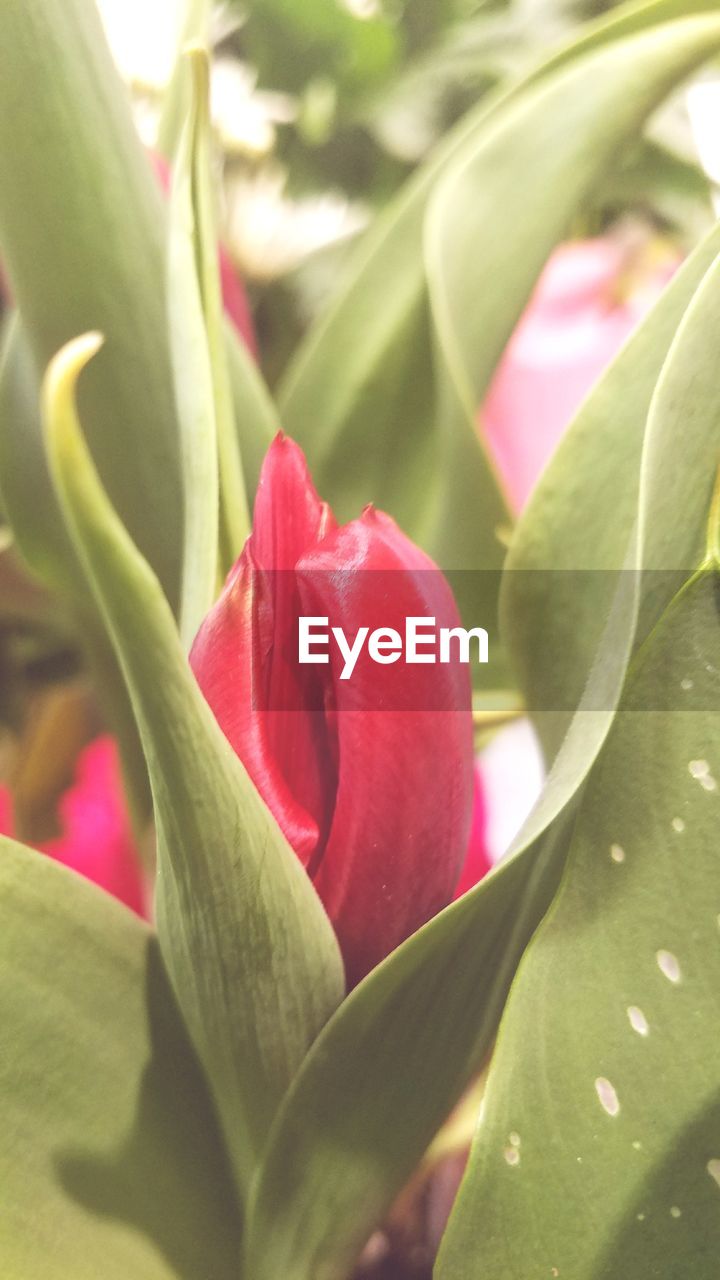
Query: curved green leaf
(250, 951)
(368, 360)
(190, 244)
(457, 970)
(573, 539)
(599, 1148)
(384, 1075)
(678, 463)
(111, 1160)
(402, 1047)
(504, 202)
(82, 236)
(43, 541)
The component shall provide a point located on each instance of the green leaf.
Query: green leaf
(111, 1162)
(82, 231)
(504, 202)
(598, 1151)
(290, 44)
(234, 517)
(573, 538)
(397, 1055)
(192, 371)
(42, 539)
(367, 365)
(194, 28)
(457, 971)
(251, 954)
(251, 420)
(381, 1079)
(256, 416)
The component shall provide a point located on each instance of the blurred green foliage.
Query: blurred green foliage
(379, 82)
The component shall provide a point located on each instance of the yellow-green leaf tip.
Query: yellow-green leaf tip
(61, 376)
(199, 59)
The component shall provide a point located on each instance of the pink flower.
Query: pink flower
(588, 300)
(96, 839)
(477, 859)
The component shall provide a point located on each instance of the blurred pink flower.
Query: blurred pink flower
(477, 859)
(96, 839)
(588, 300)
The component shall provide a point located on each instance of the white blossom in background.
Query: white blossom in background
(244, 115)
(703, 104)
(512, 772)
(143, 36)
(363, 9)
(268, 233)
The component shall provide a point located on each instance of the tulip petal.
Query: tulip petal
(230, 658)
(370, 778)
(269, 709)
(289, 516)
(405, 769)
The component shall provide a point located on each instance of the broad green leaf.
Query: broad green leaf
(457, 970)
(397, 1055)
(681, 454)
(367, 363)
(197, 409)
(111, 1160)
(377, 1044)
(383, 1076)
(573, 538)
(251, 954)
(504, 202)
(82, 238)
(598, 1152)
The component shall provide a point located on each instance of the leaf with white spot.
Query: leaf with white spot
(606, 1059)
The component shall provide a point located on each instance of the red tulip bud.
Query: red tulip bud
(369, 775)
